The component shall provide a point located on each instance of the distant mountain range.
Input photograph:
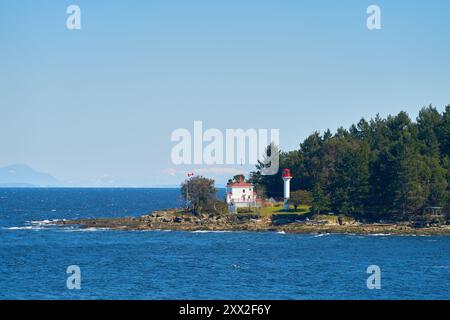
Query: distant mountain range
(20, 175)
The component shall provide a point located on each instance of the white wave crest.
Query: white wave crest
(92, 229)
(321, 235)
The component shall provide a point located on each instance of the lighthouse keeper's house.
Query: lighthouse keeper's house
(241, 194)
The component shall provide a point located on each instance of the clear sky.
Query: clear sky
(97, 106)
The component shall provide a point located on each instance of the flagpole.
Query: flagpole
(190, 174)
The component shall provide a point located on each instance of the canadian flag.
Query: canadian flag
(190, 174)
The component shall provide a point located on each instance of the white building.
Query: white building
(241, 195)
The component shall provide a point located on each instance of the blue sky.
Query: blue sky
(96, 106)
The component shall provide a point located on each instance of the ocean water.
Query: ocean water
(34, 256)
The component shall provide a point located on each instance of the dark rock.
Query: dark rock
(178, 220)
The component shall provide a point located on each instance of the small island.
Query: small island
(176, 220)
(383, 176)
(203, 212)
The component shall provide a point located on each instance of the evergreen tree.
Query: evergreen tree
(320, 201)
(350, 186)
(389, 167)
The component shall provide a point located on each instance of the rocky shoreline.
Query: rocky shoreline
(174, 220)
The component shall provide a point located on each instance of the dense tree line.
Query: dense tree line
(391, 166)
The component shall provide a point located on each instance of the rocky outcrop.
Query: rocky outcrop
(178, 220)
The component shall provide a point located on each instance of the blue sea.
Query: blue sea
(34, 255)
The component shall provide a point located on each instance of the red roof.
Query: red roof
(239, 184)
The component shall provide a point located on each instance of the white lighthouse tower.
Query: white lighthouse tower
(287, 187)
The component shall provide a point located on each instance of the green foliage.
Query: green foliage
(320, 199)
(220, 207)
(200, 195)
(381, 167)
(300, 197)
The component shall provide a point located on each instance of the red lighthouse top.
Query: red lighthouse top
(287, 173)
